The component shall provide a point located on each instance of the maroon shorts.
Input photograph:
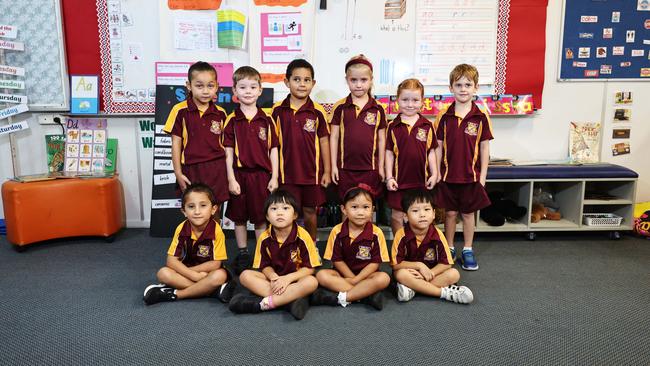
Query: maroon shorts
(211, 173)
(394, 198)
(249, 204)
(351, 178)
(462, 197)
(310, 195)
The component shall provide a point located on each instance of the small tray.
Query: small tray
(601, 219)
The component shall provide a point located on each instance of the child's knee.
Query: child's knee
(382, 279)
(164, 274)
(401, 274)
(322, 276)
(451, 214)
(217, 277)
(246, 277)
(453, 275)
(310, 283)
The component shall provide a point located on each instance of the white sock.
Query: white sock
(342, 297)
(443, 293)
(468, 248)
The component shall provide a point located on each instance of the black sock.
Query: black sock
(243, 250)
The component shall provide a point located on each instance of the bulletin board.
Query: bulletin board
(40, 29)
(605, 40)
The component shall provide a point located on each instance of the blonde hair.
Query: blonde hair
(465, 70)
(351, 65)
(410, 84)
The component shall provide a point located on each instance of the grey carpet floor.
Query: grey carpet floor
(561, 300)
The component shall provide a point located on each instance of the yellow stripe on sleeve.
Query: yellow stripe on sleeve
(383, 249)
(219, 244)
(171, 119)
(257, 259)
(399, 235)
(476, 150)
(174, 244)
(443, 240)
(329, 249)
(314, 257)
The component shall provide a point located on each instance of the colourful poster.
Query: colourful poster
(281, 36)
(85, 145)
(175, 73)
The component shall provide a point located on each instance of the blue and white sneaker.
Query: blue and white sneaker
(468, 261)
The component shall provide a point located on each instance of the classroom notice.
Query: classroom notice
(584, 142)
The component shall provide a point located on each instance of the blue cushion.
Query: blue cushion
(560, 172)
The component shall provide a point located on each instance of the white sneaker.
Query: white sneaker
(404, 293)
(458, 294)
(160, 285)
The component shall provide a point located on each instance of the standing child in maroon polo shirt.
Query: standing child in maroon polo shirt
(357, 248)
(410, 155)
(304, 143)
(196, 125)
(195, 255)
(286, 257)
(251, 146)
(463, 152)
(358, 132)
(420, 257)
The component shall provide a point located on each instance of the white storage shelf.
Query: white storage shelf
(574, 197)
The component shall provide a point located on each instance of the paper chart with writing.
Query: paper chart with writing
(451, 32)
(85, 145)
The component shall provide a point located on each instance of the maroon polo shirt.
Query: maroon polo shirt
(201, 132)
(252, 140)
(368, 247)
(410, 145)
(432, 250)
(297, 251)
(192, 251)
(359, 133)
(299, 132)
(461, 140)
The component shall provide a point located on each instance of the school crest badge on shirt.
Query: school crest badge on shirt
(204, 251)
(216, 127)
(422, 135)
(310, 125)
(262, 134)
(295, 255)
(371, 119)
(472, 128)
(430, 255)
(363, 253)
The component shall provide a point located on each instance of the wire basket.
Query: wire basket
(601, 219)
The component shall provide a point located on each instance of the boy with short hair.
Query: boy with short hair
(196, 125)
(420, 257)
(304, 142)
(286, 257)
(251, 146)
(463, 153)
(194, 259)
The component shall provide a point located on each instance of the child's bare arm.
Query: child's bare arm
(485, 159)
(233, 185)
(208, 266)
(381, 145)
(273, 183)
(439, 268)
(343, 269)
(295, 276)
(438, 159)
(178, 266)
(270, 274)
(391, 182)
(177, 144)
(365, 272)
(334, 152)
(327, 167)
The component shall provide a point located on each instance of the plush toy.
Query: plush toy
(540, 212)
(642, 224)
(501, 210)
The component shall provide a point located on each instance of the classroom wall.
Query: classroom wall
(543, 136)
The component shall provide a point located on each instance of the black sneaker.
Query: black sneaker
(226, 291)
(298, 308)
(154, 294)
(375, 300)
(323, 297)
(245, 304)
(242, 262)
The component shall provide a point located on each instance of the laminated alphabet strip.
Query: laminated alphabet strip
(12, 70)
(8, 31)
(492, 104)
(14, 127)
(12, 111)
(12, 84)
(13, 98)
(14, 46)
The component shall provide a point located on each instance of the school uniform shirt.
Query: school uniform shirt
(192, 251)
(296, 252)
(299, 131)
(461, 139)
(433, 249)
(358, 129)
(201, 132)
(410, 145)
(252, 140)
(368, 247)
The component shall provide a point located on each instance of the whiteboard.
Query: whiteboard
(40, 28)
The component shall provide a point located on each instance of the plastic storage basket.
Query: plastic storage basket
(601, 219)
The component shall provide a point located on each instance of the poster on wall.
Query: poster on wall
(584, 142)
(85, 145)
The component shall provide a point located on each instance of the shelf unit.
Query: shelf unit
(574, 196)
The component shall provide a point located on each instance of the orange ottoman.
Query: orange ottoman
(60, 208)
